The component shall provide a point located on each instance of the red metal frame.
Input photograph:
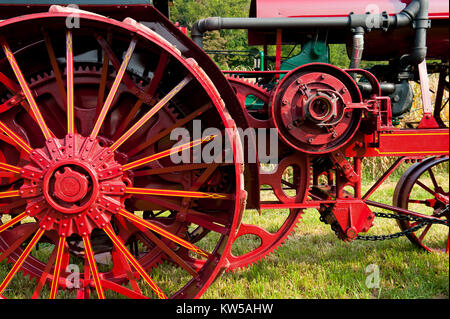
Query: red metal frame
(75, 184)
(325, 8)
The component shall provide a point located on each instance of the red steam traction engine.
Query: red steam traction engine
(89, 98)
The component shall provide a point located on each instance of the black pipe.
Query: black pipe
(419, 50)
(386, 88)
(219, 23)
(404, 18)
(416, 11)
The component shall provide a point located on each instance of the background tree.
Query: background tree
(186, 12)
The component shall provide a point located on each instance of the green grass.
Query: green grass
(312, 264)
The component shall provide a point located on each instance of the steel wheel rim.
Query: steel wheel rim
(403, 197)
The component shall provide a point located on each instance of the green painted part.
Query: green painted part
(312, 51)
(90, 2)
(261, 55)
(253, 103)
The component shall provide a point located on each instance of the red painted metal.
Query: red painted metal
(77, 184)
(437, 200)
(56, 187)
(256, 73)
(278, 52)
(401, 142)
(244, 89)
(70, 186)
(378, 45)
(353, 217)
(81, 156)
(269, 241)
(118, 12)
(438, 9)
(313, 108)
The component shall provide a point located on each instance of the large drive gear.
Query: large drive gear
(269, 242)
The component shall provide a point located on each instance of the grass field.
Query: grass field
(313, 263)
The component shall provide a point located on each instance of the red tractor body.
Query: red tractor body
(123, 144)
(379, 45)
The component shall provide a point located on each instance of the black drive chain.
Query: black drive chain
(424, 221)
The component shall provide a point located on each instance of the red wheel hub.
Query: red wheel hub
(73, 185)
(311, 108)
(70, 186)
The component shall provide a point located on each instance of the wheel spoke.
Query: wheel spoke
(103, 78)
(170, 169)
(70, 84)
(121, 247)
(114, 88)
(163, 232)
(15, 204)
(166, 153)
(433, 179)
(26, 90)
(10, 84)
(12, 102)
(168, 130)
(45, 274)
(58, 266)
(150, 90)
(205, 220)
(15, 138)
(13, 221)
(177, 259)
(85, 293)
(21, 259)
(9, 194)
(158, 74)
(132, 87)
(204, 176)
(176, 193)
(55, 66)
(424, 232)
(425, 187)
(122, 290)
(124, 264)
(150, 113)
(93, 267)
(19, 241)
(10, 168)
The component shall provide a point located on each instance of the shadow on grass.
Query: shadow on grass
(319, 265)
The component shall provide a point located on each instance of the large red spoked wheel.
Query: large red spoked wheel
(88, 176)
(424, 188)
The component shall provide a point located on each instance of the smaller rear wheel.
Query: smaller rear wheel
(424, 188)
